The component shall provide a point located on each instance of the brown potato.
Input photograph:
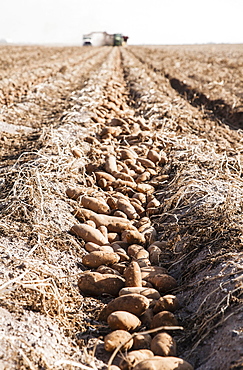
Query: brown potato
(104, 175)
(132, 275)
(133, 303)
(163, 345)
(102, 269)
(110, 164)
(123, 320)
(150, 293)
(168, 302)
(90, 223)
(163, 282)
(74, 193)
(145, 188)
(133, 237)
(125, 206)
(92, 247)
(116, 338)
(97, 258)
(145, 162)
(141, 197)
(142, 341)
(89, 234)
(163, 363)
(137, 251)
(134, 357)
(153, 156)
(113, 224)
(150, 271)
(96, 205)
(164, 318)
(154, 254)
(145, 176)
(95, 284)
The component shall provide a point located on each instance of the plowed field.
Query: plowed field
(155, 135)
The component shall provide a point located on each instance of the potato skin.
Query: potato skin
(89, 234)
(122, 320)
(116, 338)
(134, 357)
(168, 302)
(163, 345)
(133, 303)
(163, 282)
(97, 258)
(164, 318)
(132, 275)
(95, 284)
(163, 363)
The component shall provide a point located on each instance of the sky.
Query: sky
(144, 21)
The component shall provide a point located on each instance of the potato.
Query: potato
(127, 154)
(153, 203)
(97, 258)
(163, 345)
(120, 243)
(89, 234)
(164, 318)
(163, 363)
(145, 188)
(74, 193)
(123, 176)
(104, 175)
(102, 269)
(96, 205)
(145, 162)
(92, 247)
(123, 320)
(154, 254)
(150, 293)
(137, 251)
(163, 282)
(121, 214)
(150, 271)
(120, 267)
(134, 357)
(132, 275)
(110, 164)
(116, 338)
(113, 224)
(142, 341)
(76, 153)
(90, 223)
(133, 237)
(141, 197)
(126, 207)
(145, 176)
(166, 303)
(138, 207)
(153, 156)
(133, 303)
(95, 284)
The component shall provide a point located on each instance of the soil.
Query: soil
(57, 99)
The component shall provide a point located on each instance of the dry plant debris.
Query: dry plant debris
(121, 202)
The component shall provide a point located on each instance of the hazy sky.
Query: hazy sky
(144, 21)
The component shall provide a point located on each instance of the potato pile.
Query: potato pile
(122, 247)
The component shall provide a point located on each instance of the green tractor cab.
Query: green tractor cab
(118, 39)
